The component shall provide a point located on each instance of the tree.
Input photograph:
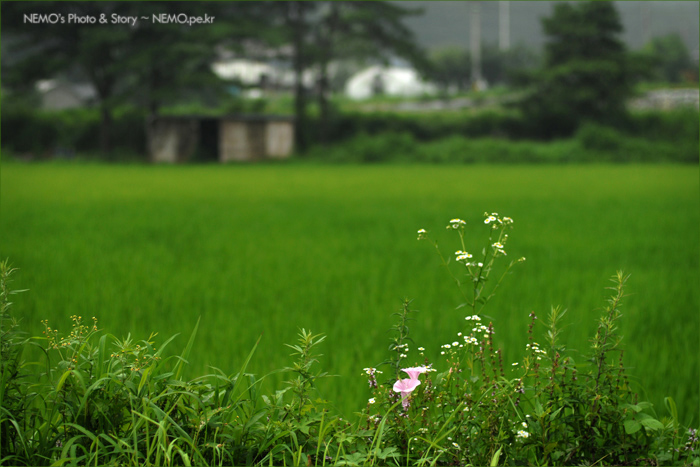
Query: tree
(586, 73)
(92, 51)
(671, 59)
(149, 64)
(321, 32)
(449, 68)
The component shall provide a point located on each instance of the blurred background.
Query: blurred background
(344, 81)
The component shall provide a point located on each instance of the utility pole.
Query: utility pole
(475, 43)
(503, 25)
(645, 11)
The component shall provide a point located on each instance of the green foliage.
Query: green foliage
(450, 67)
(101, 400)
(585, 75)
(71, 132)
(591, 143)
(671, 59)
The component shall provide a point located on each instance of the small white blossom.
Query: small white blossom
(523, 434)
(371, 401)
(456, 223)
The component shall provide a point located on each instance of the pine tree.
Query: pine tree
(586, 74)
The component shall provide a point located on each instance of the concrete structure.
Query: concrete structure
(223, 139)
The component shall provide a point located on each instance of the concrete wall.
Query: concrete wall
(172, 140)
(250, 140)
(241, 140)
(279, 139)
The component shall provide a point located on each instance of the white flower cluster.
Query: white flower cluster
(403, 350)
(473, 317)
(498, 246)
(466, 256)
(536, 348)
(422, 234)
(456, 223)
(484, 329)
(471, 340)
(496, 221)
(371, 371)
(522, 434)
(463, 256)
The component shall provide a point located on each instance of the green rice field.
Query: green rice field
(264, 250)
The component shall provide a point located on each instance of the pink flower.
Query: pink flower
(405, 387)
(414, 372)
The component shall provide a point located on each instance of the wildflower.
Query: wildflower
(497, 245)
(371, 401)
(455, 344)
(421, 349)
(489, 219)
(456, 223)
(523, 434)
(515, 364)
(524, 424)
(413, 372)
(455, 445)
(422, 234)
(405, 387)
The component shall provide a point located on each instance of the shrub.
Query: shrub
(70, 131)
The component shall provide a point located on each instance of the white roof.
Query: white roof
(247, 71)
(402, 82)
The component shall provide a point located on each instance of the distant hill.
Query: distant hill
(447, 22)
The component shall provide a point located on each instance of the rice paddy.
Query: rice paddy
(269, 249)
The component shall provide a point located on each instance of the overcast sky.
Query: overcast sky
(447, 22)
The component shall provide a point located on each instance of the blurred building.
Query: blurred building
(260, 74)
(223, 139)
(57, 95)
(388, 81)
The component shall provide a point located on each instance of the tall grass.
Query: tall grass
(257, 251)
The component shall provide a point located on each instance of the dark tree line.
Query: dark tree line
(155, 65)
